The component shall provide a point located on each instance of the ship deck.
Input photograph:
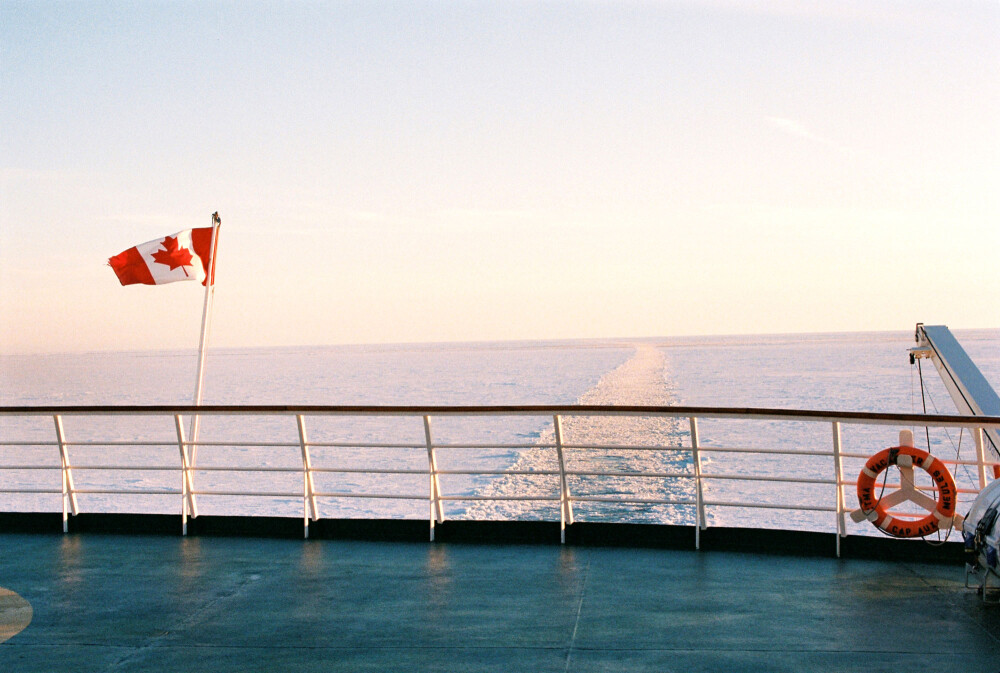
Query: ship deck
(107, 602)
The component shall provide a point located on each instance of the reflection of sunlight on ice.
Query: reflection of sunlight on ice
(639, 381)
(433, 374)
(851, 372)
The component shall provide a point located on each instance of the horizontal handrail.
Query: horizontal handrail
(752, 413)
(773, 505)
(501, 498)
(370, 445)
(758, 477)
(632, 501)
(520, 473)
(128, 491)
(660, 475)
(36, 467)
(52, 491)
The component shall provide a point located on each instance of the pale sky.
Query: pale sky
(460, 171)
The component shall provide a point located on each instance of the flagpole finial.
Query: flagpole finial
(215, 218)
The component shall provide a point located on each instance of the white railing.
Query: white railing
(700, 476)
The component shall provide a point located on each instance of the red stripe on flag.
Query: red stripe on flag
(131, 268)
(201, 240)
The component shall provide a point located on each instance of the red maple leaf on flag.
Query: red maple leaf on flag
(172, 255)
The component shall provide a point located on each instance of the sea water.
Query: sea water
(849, 372)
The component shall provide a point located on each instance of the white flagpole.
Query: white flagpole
(206, 320)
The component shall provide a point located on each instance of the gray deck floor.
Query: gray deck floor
(136, 603)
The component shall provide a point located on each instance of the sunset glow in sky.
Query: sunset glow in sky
(455, 171)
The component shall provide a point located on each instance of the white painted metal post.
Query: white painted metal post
(188, 505)
(980, 456)
(436, 511)
(68, 489)
(838, 469)
(65, 513)
(184, 489)
(698, 495)
(565, 504)
(309, 509)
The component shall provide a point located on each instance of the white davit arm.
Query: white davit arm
(970, 391)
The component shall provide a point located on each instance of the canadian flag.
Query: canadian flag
(186, 255)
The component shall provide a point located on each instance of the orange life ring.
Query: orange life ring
(878, 514)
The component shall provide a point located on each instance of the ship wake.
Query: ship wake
(641, 380)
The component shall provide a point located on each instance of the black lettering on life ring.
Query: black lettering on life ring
(946, 503)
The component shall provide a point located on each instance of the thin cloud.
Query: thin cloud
(800, 130)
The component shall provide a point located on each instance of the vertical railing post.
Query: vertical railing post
(68, 489)
(188, 505)
(698, 495)
(838, 470)
(565, 504)
(980, 456)
(436, 511)
(309, 509)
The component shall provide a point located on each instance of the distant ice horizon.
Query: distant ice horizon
(609, 341)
